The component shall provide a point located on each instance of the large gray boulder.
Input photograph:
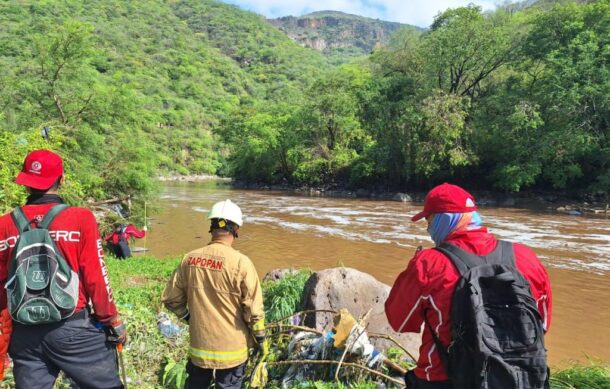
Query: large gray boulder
(333, 289)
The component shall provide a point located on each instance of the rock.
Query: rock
(484, 201)
(402, 197)
(574, 212)
(362, 193)
(278, 274)
(338, 288)
(508, 201)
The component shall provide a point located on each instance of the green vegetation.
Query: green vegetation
(512, 99)
(596, 375)
(129, 90)
(154, 361)
(283, 297)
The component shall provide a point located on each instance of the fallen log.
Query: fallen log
(109, 201)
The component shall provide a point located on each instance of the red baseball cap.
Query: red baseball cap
(41, 169)
(446, 198)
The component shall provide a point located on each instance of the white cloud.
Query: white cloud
(417, 12)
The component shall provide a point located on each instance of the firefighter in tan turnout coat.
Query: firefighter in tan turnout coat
(217, 290)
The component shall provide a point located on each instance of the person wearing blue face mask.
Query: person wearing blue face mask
(484, 304)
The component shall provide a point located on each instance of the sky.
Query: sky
(415, 12)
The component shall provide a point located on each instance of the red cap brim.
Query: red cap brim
(419, 216)
(32, 181)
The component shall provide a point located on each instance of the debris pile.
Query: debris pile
(344, 354)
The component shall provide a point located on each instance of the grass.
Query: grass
(596, 375)
(137, 285)
(282, 298)
(153, 361)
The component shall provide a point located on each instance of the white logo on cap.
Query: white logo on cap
(36, 167)
(469, 202)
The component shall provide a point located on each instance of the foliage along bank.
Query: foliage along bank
(131, 89)
(511, 99)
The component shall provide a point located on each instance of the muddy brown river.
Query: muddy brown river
(377, 237)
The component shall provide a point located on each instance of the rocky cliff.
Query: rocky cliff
(337, 33)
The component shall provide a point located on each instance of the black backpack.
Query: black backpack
(497, 331)
(122, 249)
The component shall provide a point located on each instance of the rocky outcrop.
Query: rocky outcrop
(405, 198)
(358, 292)
(332, 32)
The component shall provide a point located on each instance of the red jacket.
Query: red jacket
(427, 286)
(130, 231)
(76, 235)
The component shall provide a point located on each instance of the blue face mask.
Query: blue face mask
(445, 223)
(442, 224)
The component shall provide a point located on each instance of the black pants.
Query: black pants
(413, 382)
(200, 378)
(120, 250)
(74, 346)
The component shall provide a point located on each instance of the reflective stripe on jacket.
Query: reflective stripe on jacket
(220, 290)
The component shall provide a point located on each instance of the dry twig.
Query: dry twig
(388, 337)
(302, 313)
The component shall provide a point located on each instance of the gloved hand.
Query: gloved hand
(145, 228)
(116, 331)
(263, 346)
(6, 328)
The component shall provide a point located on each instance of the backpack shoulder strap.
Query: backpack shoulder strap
(51, 214)
(21, 221)
(462, 259)
(507, 253)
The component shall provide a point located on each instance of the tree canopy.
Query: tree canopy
(512, 99)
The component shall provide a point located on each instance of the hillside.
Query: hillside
(336, 34)
(147, 81)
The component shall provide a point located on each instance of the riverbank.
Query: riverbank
(575, 204)
(192, 178)
(150, 357)
(153, 360)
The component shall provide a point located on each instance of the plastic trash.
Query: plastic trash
(167, 327)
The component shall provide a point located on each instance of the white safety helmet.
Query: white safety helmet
(227, 210)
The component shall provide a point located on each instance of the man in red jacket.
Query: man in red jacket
(424, 291)
(118, 239)
(78, 345)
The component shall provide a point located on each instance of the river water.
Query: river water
(377, 237)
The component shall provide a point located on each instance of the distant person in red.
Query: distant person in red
(118, 240)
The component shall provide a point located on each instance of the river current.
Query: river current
(377, 237)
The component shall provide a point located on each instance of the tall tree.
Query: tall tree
(464, 47)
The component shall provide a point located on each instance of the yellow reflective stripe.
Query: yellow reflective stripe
(219, 355)
(259, 325)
